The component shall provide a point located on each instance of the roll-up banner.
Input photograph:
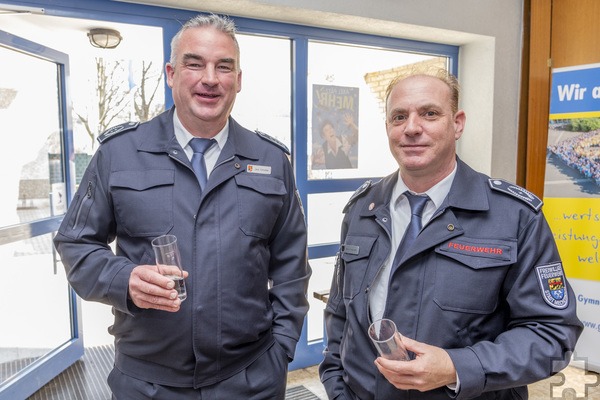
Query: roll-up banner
(572, 195)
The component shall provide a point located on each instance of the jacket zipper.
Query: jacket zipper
(87, 196)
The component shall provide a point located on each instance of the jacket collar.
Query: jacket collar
(241, 142)
(468, 191)
(160, 137)
(378, 199)
(475, 198)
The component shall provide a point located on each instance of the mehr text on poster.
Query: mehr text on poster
(572, 194)
(334, 127)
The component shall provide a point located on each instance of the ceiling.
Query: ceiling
(312, 16)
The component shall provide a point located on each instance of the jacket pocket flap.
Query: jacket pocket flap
(261, 184)
(142, 180)
(357, 247)
(480, 253)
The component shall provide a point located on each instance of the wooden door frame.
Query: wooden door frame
(535, 95)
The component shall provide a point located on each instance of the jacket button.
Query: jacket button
(237, 165)
(450, 227)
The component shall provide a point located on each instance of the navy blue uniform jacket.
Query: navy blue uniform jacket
(243, 242)
(483, 280)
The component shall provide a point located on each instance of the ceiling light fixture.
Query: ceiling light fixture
(104, 38)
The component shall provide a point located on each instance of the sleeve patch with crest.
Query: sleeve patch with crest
(552, 283)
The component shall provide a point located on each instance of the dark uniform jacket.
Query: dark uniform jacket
(483, 280)
(243, 242)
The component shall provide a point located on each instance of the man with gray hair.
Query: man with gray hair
(229, 196)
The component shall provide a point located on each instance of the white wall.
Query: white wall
(489, 33)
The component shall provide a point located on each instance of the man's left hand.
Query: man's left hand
(430, 369)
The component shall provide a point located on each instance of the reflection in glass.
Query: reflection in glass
(30, 149)
(34, 302)
(114, 87)
(346, 94)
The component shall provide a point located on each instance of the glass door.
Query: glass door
(40, 335)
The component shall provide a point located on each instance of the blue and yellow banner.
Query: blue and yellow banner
(575, 92)
(572, 195)
(575, 223)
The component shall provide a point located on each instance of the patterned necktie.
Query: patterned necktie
(200, 145)
(417, 205)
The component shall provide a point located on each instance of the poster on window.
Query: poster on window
(572, 194)
(334, 127)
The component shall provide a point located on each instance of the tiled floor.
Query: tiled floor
(578, 384)
(88, 376)
(309, 378)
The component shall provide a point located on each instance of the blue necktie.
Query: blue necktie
(417, 205)
(200, 145)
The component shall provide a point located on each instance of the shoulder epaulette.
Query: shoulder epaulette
(116, 130)
(359, 192)
(274, 141)
(516, 191)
